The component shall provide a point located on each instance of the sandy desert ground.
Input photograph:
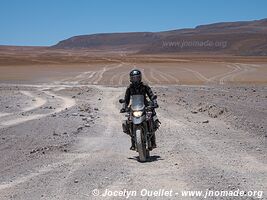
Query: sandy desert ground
(185, 72)
(61, 138)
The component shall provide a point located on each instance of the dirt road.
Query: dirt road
(63, 139)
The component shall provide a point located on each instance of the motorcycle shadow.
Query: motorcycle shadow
(150, 159)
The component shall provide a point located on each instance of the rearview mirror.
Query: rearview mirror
(122, 101)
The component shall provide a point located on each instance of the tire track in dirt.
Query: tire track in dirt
(111, 80)
(153, 76)
(15, 120)
(116, 76)
(77, 79)
(188, 157)
(168, 77)
(236, 70)
(93, 78)
(69, 159)
(246, 69)
(37, 103)
(197, 74)
(100, 75)
(213, 78)
(163, 77)
(100, 148)
(4, 114)
(144, 76)
(121, 77)
(88, 79)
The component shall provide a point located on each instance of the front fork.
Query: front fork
(148, 135)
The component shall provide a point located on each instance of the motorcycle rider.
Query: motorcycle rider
(137, 87)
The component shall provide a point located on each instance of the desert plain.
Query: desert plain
(60, 126)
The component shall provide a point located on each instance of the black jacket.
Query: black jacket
(140, 89)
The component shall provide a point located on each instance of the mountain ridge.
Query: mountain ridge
(241, 38)
(246, 38)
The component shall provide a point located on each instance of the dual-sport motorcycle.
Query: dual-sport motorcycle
(140, 124)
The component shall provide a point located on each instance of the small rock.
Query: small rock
(194, 112)
(87, 125)
(55, 134)
(76, 181)
(205, 122)
(33, 151)
(82, 115)
(96, 109)
(84, 118)
(73, 97)
(80, 128)
(74, 114)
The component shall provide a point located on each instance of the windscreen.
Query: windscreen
(138, 102)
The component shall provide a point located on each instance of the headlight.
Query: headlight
(137, 113)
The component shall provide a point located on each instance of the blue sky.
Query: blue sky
(45, 22)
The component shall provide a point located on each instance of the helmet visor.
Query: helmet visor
(135, 79)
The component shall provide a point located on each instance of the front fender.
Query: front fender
(138, 120)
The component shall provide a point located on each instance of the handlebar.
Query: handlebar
(125, 110)
(151, 107)
(146, 108)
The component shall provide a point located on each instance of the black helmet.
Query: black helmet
(135, 76)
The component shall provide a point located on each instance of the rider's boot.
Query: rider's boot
(153, 141)
(125, 127)
(157, 124)
(133, 144)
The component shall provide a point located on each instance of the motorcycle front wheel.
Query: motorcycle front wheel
(140, 145)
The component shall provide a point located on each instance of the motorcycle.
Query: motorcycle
(140, 124)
